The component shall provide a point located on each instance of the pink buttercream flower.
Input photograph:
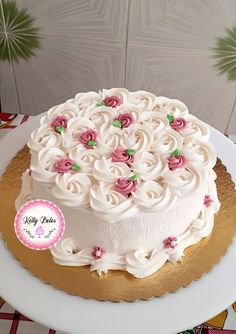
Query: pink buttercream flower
(176, 162)
(112, 101)
(63, 165)
(125, 120)
(98, 252)
(207, 200)
(60, 121)
(170, 242)
(125, 186)
(178, 124)
(122, 155)
(88, 138)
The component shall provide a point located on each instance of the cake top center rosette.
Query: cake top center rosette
(118, 153)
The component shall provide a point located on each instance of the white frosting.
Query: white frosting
(72, 190)
(200, 154)
(75, 127)
(109, 204)
(165, 202)
(101, 115)
(166, 141)
(42, 164)
(156, 121)
(140, 139)
(108, 171)
(144, 100)
(43, 137)
(85, 101)
(140, 263)
(151, 196)
(185, 181)
(108, 139)
(67, 109)
(122, 93)
(84, 158)
(171, 106)
(149, 166)
(196, 129)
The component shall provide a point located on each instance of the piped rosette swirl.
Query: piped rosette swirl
(135, 150)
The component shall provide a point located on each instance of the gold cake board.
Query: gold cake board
(119, 285)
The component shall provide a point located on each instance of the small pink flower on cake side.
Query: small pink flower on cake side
(176, 160)
(65, 165)
(88, 138)
(59, 123)
(123, 120)
(170, 242)
(123, 155)
(177, 124)
(207, 200)
(125, 185)
(98, 252)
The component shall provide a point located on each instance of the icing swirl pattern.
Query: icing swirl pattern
(89, 148)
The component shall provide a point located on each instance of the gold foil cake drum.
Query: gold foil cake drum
(133, 175)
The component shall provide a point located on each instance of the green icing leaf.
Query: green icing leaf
(59, 128)
(91, 143)
(170, 117)
(117, 124)
(175, 153)
(134, 177)
(100, 104)
(130, 151)
(75, 167)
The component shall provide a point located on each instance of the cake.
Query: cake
(133, 175)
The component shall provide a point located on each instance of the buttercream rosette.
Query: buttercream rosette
(115, 137)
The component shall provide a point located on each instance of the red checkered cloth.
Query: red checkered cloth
(13, 322)
(11, 121)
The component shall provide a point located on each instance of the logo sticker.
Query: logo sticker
(39, 224)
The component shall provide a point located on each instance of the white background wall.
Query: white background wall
(163, 46)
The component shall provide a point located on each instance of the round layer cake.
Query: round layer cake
(132, 174)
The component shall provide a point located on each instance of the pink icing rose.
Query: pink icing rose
(170, 242)
(176, 162)
(125, 119)
(178, 124)
(59, 121)
(112, 101)
(121, 155)
(125, 186)
(88, 138)
(98, 252)
(207, 200)
(63, 165)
